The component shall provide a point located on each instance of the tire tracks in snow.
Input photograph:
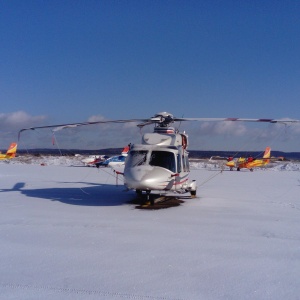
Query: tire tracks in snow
(84, 292)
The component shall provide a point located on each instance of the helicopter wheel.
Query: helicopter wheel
(139, 192)
(151, 199)
(193, 193)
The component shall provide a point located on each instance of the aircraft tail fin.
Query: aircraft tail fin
(125, 150)
(267, 154)
(11, 152)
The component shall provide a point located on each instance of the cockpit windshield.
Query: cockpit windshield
(164, 159)
(137, 158)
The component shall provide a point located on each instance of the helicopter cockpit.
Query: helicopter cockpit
(164, 159)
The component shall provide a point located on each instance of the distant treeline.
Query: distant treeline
(235, 154)
(192, 153)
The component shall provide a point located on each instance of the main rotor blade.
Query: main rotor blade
(237, 119)
(159, 120)
(73, 125)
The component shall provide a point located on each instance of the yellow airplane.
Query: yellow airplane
(11, 152)
(250, 162)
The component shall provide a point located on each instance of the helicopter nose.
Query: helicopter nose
(148, 178)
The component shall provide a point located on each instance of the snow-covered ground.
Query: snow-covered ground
(68, 232)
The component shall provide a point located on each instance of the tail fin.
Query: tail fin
(267, 154)
(11, 152)
(125, 150)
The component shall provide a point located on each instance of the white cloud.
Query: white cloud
(97, 136)
(11, 123)
(96, 118)
(295, 128)
(218, 128)
(18, 120)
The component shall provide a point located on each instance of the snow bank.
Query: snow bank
(45, 160)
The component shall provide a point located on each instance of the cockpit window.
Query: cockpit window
(137, 158)
(163, 159)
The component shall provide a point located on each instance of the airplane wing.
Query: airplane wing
(213, 158)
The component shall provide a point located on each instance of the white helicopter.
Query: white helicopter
(160, 163)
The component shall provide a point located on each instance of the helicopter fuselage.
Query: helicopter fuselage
(160, 163)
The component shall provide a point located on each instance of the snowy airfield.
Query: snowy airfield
(68, 232)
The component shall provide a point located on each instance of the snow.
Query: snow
(68, 232)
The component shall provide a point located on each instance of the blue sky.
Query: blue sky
(73, 61)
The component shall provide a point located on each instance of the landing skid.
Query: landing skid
(156, 201)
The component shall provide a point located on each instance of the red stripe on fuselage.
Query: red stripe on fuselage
(184, 179)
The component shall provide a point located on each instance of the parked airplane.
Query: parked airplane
(247, 163)
(118, 160)
(115, 161)
(250, 162)
(11, 152)
(92, 160)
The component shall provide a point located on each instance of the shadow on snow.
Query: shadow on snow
(92, 195)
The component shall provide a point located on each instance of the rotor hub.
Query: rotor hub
(163, 119)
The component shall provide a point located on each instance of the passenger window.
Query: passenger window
(187, 163)
(184, 163)
(178, 163)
